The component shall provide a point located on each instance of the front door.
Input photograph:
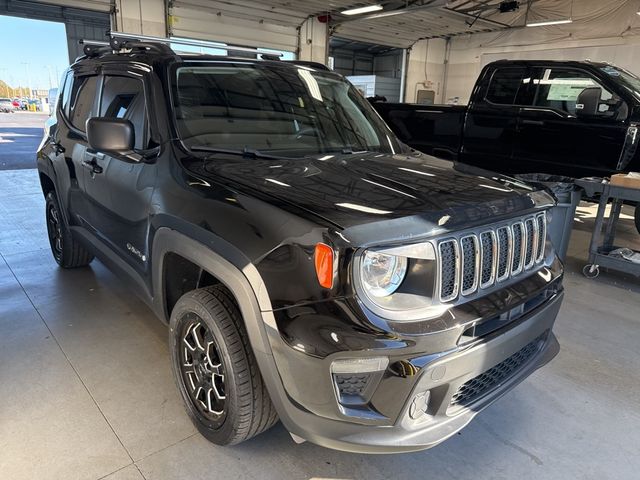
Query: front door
(121, 185)
(555, 136)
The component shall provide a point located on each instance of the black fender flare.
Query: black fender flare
(45, 167)
(241, 277)
(228, 265)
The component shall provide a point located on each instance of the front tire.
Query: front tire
(215, 369)
(65, 249)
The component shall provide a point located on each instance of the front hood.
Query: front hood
(417, 193)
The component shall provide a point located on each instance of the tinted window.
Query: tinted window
(289, 111)
(505, 85)
(83, 94)
(559, 89)
(123, 97)
(66, 93)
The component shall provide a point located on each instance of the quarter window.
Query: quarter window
(505, 85)
(66, 93)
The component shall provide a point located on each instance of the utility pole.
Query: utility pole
(26, 64)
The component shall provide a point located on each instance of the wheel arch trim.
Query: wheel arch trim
(226, 264)
(246, 285)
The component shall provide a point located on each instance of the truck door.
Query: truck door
(119, 185)
(574, 126)
(492, 118)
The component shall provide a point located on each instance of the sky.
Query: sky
(43, 45)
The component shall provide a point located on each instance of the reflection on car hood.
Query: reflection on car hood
(354, 190)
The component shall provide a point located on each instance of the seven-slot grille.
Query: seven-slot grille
(479, 260)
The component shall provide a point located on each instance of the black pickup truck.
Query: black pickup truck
(575, 119)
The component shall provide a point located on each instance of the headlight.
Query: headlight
(382, 274)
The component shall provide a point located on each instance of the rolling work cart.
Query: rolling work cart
(602, 242)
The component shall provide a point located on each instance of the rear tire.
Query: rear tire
(215, 369)
(65, 249)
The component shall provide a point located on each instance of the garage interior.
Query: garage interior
(85, 383)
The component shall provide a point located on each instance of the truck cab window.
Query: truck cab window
(505, 85)
(123, 97)
(560, 89)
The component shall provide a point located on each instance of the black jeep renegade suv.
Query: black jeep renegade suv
(310, 266)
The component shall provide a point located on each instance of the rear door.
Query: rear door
(552, 135)
(78, 104)
(492, 117)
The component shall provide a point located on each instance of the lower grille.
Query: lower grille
(478, 386)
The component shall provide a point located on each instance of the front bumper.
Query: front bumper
(438, 378)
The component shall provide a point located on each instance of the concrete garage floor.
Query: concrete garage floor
(86, 390)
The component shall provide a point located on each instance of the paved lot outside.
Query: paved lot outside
(20, 135)
(86, 390)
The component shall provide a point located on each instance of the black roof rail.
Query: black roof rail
(121, 42)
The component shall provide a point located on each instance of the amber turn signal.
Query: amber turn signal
(324, 265)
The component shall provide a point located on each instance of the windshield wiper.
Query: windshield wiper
(245, 152)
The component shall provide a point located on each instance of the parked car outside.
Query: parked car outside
(6, 105)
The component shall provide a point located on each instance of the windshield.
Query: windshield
(627, 79)
(278, 110)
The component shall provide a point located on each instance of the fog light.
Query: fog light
(356, 379)
(360, 365)
(419, 405)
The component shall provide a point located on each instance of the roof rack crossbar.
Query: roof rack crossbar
(119, 40)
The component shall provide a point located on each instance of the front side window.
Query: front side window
(280, 110)
(123, 97)
(82, 100)
(560, 89)
(505, 85)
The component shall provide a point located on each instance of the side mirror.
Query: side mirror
(110, 134)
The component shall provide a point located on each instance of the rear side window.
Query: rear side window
(66, 93)
(83, 95)
(123, 97)
(505, 84)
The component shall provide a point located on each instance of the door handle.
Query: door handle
(92, 165)
(539, 123)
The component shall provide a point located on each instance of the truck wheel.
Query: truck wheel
(637, 215)
(215, 369)
(66, 250)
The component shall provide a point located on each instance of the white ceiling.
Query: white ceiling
(402, 22)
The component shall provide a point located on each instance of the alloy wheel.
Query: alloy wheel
(202, 369)
(54, 230)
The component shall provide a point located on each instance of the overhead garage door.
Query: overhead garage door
(238, 24)
(84, 19)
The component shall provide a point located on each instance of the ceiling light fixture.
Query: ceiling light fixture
(549, 22)
(359, 10)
